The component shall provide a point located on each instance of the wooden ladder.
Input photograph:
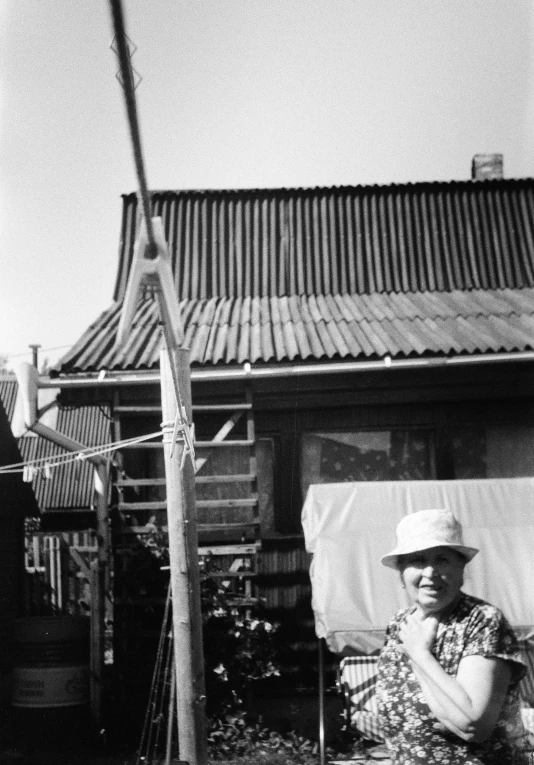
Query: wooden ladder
(226, 483)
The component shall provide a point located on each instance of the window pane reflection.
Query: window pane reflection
(382, 455)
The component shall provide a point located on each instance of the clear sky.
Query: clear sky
(235, 93)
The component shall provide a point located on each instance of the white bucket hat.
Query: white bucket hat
(424, 530)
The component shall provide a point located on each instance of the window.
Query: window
(377, 455)
(493, 452)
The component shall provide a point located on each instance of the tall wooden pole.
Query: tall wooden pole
(100, 584)
(183, 559)
(322, 754)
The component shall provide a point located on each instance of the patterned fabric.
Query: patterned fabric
(526, 687)
(413, 733)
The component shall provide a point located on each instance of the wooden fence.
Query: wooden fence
(58, 573)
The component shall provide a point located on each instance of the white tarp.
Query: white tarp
(349, 526)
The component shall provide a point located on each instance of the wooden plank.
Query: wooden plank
(214, 503)
(141, 409)
(230, 574)
(216, 444)
(130, 506)
(246, 549)
(97, 642)
(84, 567)
(227, 526)
(141, 482)
(251, 433)
(238, 600)
(219, 407)
(219, 437)
(235, 478)
(228, 426)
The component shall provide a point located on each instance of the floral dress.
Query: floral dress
(413, 734)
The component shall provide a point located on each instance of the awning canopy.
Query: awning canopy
(349, 526)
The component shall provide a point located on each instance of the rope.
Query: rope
(128, 87)
(83, 454)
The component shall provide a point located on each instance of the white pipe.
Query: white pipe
(248, 372)
(69, 444)
(28, 382)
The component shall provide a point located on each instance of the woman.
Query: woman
(449, 669)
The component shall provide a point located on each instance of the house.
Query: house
(62, 498)
(346, 333)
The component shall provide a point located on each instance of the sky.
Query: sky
(234, 94)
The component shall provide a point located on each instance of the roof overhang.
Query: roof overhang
(104, 379)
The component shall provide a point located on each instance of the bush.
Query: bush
(239, 648)
(239, 642)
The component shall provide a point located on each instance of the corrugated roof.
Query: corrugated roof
(70, 487)
(8, 393)
(420, 237)
(280, 329)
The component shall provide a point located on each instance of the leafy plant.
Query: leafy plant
(239, 642)
(232, 736)
(239, 647)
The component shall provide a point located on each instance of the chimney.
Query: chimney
(35, 354)
(487, 167)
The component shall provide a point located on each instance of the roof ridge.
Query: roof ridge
(341, 187)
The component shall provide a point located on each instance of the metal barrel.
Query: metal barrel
(50, 686)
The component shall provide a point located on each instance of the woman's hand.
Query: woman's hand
(467, 704)
(418, 634)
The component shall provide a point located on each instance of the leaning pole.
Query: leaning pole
(151, 267)
(183, 559)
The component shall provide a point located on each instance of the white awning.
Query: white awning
(349, 526)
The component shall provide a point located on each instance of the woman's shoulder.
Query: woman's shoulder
(400, 616)
(489, 633)
(474, 617)
(478, 610)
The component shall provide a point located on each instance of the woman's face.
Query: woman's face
(432, 578)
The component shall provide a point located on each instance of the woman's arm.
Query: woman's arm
(468, 704)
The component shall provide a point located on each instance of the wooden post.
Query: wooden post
(100, 574)
(322, 753)
(183, 558)
(171, 718)
(96, 663)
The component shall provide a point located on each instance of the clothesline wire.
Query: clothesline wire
(82, 454)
